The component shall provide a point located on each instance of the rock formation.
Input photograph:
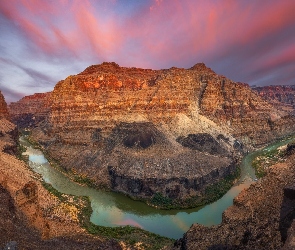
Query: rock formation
(139, 131)
(30, 110)
(283, 97)
(16, 233)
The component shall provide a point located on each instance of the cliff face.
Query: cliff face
(30, 110)
(181, 99)
(280, 93)
(138, 131)
(30, 216)
(252, 120)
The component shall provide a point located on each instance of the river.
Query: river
(113, 209)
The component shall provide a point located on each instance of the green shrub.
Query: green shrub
(161, 201)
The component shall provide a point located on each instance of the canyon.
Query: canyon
(155, 135)
(165, 137)
(30, 110)
(30, 216)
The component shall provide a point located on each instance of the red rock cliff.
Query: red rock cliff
(143, 131)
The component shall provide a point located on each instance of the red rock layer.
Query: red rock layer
(107, 93)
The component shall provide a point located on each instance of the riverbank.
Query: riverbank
(260, 217)
(211, 192)
(107, 206)
(31, 217)
(79, 208)
(111, 209)
(127, 236)
(271, 156)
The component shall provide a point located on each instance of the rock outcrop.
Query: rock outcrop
(30, 110)
(17, 233)
(8, 131)
(139, 131)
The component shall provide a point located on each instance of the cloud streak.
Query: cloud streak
(248, 41)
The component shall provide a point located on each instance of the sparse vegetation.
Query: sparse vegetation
(159, 200)
(262, 162)
(216, 191)
(53, 191)
(128, 234)
(212, 193)
(20, 150)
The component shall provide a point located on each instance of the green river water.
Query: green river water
(113, 209)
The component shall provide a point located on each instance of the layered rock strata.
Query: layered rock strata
(283, 97)
(16, 233)
(30, 110)
(139, 131)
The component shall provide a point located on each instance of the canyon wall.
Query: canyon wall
(30, 110)
(118, 127)
(283, 97)
(30, 216)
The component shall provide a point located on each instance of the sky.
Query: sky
(44, 41)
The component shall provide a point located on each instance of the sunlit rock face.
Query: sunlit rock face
(30, 110)
(107, 94)
(141, 131)
(30, 216)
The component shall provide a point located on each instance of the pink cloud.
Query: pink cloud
(102, 35)
(242, 39)
(73, 26)
(167, 31)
